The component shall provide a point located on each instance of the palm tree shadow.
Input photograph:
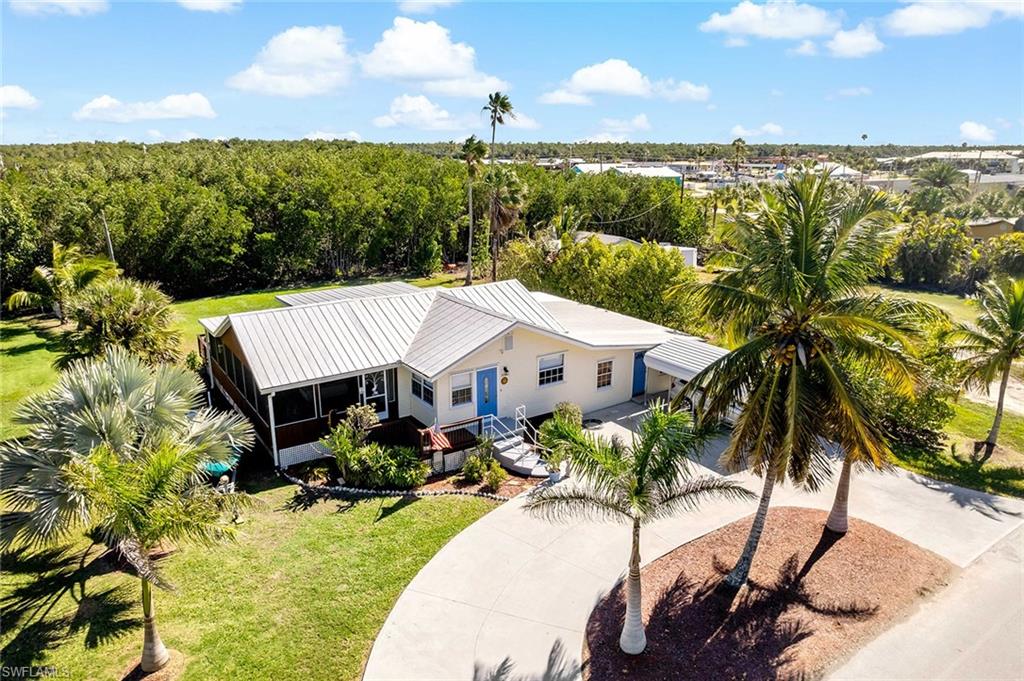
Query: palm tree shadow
(558, 668)
(59, 572)
(396, 506)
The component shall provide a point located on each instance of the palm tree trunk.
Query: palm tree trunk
(738, 576)
(993, 435)
(633, 639)
(154, 654)
(838, 518)
(494, 209)
(469, 253)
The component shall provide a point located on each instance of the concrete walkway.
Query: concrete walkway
(514, 592)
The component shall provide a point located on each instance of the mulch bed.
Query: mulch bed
(515, 484)
(813, 598)
(169, 672)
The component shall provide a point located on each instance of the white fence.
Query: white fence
(445, 463)
(310, 451)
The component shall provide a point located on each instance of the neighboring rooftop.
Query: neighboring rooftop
(387, 288)
(683, 356)
(648, 171)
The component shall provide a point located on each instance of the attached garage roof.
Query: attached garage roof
(683, 356)
(330, 295)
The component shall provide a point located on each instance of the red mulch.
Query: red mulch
(813, 598)
(515, 484)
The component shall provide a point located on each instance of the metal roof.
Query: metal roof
(387, 288)
(509, 298)
(599, 327)
(452, 330)
(683, 356)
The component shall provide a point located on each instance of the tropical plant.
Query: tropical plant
(118, 449)
(122, 313)
(991, 346)
(934, 251)
(498, 107)
(739, 148)
(473, 152)
(794, 296)
(945, 177)
(69, 273)
(508, 194)
(494, 476)
(634, 484)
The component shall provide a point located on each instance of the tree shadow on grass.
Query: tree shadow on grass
(697, 630)
(30, 607)
(968, 483)
(395, 506)
(306, 499)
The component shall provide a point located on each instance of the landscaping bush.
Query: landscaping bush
(495, 476)
(474, 467)
(1005, 255)
(936, 252)
(569, 411)
(377, 467)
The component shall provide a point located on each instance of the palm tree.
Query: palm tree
(944, 177)
(739, 146)
(992, 345)
(795, 296)
(636, 485)
(508, 194)
(70, 272)
(118, 449)
(123, 313)
(498, 106)
(473, 152)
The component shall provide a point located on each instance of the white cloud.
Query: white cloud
(106, 108)
(855, 43)
(329, 136)
(75, 8)
(766, 129)
(416, 111)
(619, 77)
(638, 122)
(942, 18)
(300, 62)
(522, 122)
(807, 48)
(972, 131)
(423, 50)
(423, 6)
(775, 92)
(859, 91)
(736, 41)
(613, 137)
(210, 5)
(16, 97)
(784, 19)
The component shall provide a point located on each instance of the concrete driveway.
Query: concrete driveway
(515, 592)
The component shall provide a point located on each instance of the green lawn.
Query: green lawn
(960, 309)
(300, 595)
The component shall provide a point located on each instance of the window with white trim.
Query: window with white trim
(604, 373)
(551, 369)
(462, 388)
(423, 389)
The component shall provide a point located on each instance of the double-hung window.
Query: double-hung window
(462, 388)
(423, 389)
(604, 373)
(551, 369)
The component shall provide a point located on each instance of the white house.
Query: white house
(472, 360)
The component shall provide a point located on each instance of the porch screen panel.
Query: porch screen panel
(294, 405)
(338, 395)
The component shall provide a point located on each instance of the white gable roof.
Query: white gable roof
(452, 330)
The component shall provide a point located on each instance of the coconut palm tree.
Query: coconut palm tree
(70, 272)
(508, 194)
(794, 295)
(739, 147)
(992, 345)
(945, 177)
(635, 485)
(473, 152)
(498, 106)
(118, 449)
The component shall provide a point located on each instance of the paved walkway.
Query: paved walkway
(515, 591)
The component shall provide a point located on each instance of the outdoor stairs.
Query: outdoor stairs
(513, 453)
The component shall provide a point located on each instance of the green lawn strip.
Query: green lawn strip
(1003, 474)
(28, 347)
(301, 594)
(960, 309)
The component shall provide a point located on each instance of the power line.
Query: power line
(638, 215)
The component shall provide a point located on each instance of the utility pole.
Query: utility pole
(106, 230)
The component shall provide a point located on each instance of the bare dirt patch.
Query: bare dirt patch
(813, 598)
(169, 672)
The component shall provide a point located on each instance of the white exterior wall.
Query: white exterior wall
(579, 385)
(409, 404)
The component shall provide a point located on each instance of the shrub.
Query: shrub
(361, 418)
(569, 411)
(193, 362)
(342, 443)
(1005, 255)
(495, 476)
(935, 252)
(474, 467)
(378, 467)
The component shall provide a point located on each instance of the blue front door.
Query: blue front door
(639, 373)
(487, 391)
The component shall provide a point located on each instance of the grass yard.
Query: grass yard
(960, 309)
(300, 595)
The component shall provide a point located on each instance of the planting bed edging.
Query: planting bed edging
(340, 490)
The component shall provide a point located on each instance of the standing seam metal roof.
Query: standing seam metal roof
(684, 357)
(330, 295)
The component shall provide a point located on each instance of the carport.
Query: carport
(674, 363)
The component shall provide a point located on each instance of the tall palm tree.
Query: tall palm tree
(739, 147)
(119, 449)
(473, 152)
(498, 107)
(508, 193)
(70, 272)
(636, 485)
(992, 345)
(942, 176)
(795, 296)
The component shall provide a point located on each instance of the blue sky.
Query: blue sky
(784, 71)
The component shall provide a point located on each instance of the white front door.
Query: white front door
(375, 392)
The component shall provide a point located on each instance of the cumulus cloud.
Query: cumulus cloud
(423, 6)
(619, 129)
(855, 43)
(522, 122)
(210, 5)
(300, 62)
(416, 111)
(106, 108)
(806, 48)
(767, 129)
(424, 51)
(75, 8)
(972, 131)
(16, 97)
(942, 18)
(619, 77)
(328, 136)
(781, 19)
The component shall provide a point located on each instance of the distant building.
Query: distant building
(659, 172)
(988, 228)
